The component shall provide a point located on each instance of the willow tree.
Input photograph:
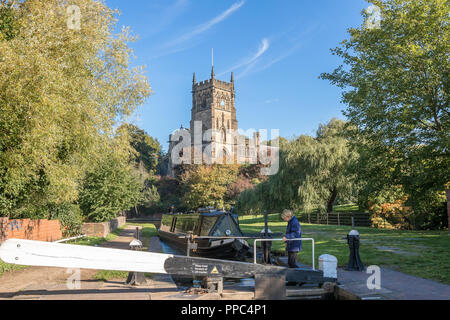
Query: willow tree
(314, 173)
(65, 83)
(317, 170)
(395, 81)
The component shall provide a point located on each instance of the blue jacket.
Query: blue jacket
(293, 231)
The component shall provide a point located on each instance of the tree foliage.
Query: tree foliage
(147, 149)
(314, 173)
(208, 185)
(396, 84)
(62, 93)
(108, 189)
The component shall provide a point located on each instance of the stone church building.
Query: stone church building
(213, 134)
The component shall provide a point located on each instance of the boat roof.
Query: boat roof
(216, 213)
(206, 214)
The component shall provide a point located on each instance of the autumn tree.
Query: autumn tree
(208, 185)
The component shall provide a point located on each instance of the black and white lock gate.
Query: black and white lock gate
(38, 253)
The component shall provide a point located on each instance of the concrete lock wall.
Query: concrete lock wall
(102, 229)
(39, 230)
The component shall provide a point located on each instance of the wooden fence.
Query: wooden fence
(360, 219)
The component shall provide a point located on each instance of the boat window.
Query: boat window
(185, 224)
(207, 224)
(166, 223)
(226, 223)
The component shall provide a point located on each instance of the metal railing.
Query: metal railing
(70, 239)
(306, 239)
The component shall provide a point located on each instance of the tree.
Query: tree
(327, 174)
(314, 173)
(109, 188)
(207, 185)
(62, 93)
(396, 87)
(147, 149)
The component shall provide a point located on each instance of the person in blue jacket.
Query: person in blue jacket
(293, 231)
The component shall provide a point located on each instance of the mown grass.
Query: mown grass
(421, 253)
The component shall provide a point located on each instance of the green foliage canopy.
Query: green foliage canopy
(396, 85)
(62, 92)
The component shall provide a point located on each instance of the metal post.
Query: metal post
(353, 222)
(303, 239)
(188, 246)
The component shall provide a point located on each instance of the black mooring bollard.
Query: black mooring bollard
(354, 263)
(136, 278)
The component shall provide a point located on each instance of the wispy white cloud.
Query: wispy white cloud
(249, 62)
(281, 57)
(270, 101)
(176, 44)
(297, 42)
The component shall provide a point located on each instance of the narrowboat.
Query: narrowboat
(209, 223)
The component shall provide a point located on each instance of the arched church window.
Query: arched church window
(224, 135)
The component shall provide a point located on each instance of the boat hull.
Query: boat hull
(229, 249)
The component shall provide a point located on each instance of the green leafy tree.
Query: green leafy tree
(314, 173)
(395, 78)
(62, 93)
(108, 189)
(208, 185)
(148, 149)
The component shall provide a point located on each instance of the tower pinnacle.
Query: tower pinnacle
(212, 64)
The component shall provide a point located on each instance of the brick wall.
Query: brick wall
(102, 229)
(40, 230)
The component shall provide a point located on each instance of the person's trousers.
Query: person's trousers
(292, 259)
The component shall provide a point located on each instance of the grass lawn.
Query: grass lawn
(424, 254)
(6, 267)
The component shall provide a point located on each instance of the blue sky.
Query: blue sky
(277, 50)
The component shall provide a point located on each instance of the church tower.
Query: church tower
(213, 103)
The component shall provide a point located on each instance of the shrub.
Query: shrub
(70, 217)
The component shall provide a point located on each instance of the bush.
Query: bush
(70, 217)
(109, 189)
(391, 215)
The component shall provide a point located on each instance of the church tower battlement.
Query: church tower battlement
(213, 103)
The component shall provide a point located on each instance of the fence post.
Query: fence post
(309, 217)
(339, 221)
(327, 217)
(317, 218)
